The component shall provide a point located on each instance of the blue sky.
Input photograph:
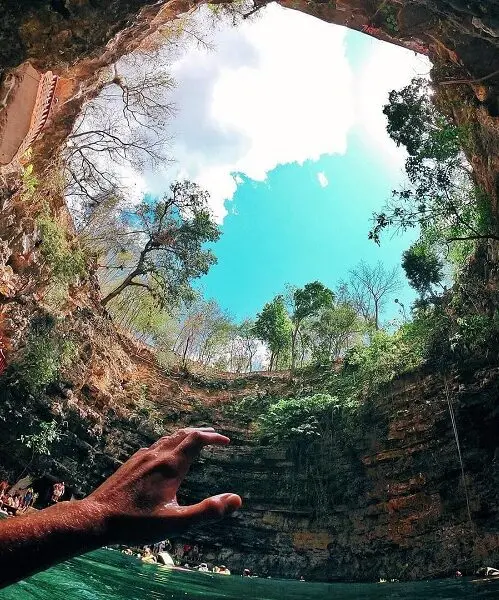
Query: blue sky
(290, 229)
(289, 139)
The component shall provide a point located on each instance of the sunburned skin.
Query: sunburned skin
(137, 504)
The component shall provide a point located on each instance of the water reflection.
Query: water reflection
(108, 575)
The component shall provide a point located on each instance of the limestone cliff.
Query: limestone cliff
(383, 497)
(387, 500)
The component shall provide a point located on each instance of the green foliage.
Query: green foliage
(45, 354)
(66, 262)
(248, 409)
(422, 267)
(389, 15)
(232, 12)
(136, 310)
(168, 248)
(297, 419)
(386, 357)
(441, 195)
(29, 181)
(474, 332)
(449, 332)
(273, 326)
(41, 441)
(333, 330)
(413, 122)
(310, 299)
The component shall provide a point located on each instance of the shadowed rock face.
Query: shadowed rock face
(394, 496)
(386, 499)
(55, 34)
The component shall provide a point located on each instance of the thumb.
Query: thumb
(211, 509)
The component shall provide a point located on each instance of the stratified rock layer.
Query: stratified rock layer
(390, 502)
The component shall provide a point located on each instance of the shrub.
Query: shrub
(386, 357)
(45, 354)
(248, 409)
(29, 181)
(66, 263)
(389, 15)
(297, 418)
(41, 441)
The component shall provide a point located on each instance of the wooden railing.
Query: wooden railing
(41, 111)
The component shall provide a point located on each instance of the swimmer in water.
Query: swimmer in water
(136, 505)
(488, 572)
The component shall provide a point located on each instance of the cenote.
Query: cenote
(249, 299)
(108, 575)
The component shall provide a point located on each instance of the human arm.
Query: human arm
(137, 504)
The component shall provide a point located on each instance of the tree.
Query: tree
(123, 128)
(204, 334)
(423, 268)
(369, 288)
(216, 335)
(235, 11)
(441, 193)
(246, 334)
(168, 251)
(411, 116)
(273, 327)
(307, 301)
(335, 329)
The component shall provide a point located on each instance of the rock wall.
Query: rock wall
(387, 500)
(380, 496)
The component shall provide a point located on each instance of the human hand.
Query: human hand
(138, 503)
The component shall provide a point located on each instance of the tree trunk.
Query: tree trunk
(184, 356)
(123, 285)
(293, 347)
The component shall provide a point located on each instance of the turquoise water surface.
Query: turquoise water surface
(108, 575)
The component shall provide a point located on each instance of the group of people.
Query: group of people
(159, 551)
(221, 570)
(15, 502)
(186, 552)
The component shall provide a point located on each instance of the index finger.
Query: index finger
(173, 440)
(197, 439)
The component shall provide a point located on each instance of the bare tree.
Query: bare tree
(369, 287)
(124, 127)
(235, 11)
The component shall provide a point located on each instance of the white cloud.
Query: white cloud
(389, 67)
(260, 99)
(275, 90)
(322, 179)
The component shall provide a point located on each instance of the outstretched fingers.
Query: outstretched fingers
(169, 442)
(197, 439)
(210, 509)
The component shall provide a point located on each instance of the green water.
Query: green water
(107, 575)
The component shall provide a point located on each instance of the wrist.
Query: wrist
(95, 520)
